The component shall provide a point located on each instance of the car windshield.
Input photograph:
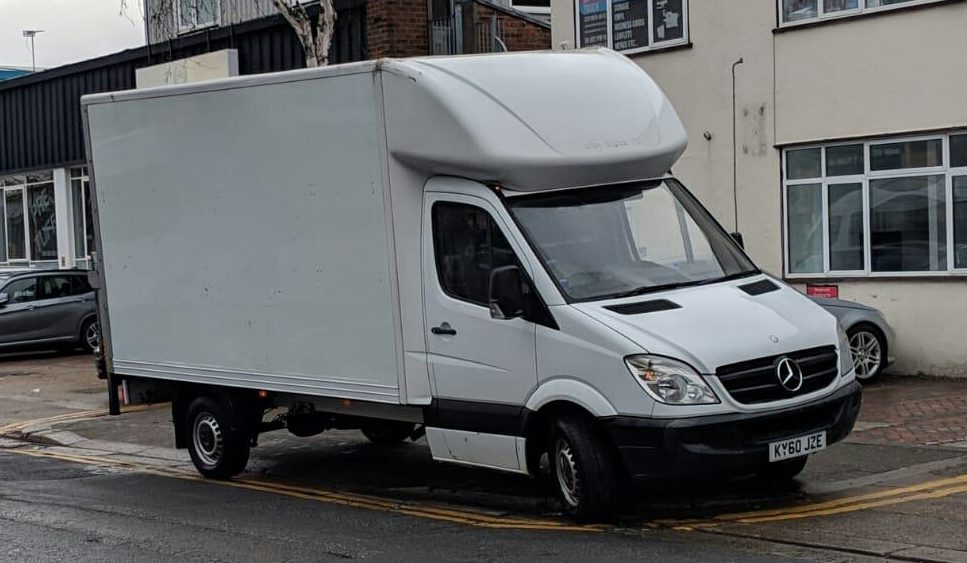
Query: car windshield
(624, 240)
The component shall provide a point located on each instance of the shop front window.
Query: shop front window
(14, 216)
(43, 222)
(28, 232)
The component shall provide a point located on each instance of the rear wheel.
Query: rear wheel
(90, 336)
(388, 433)
(583, 470)
(868, 348)
(785, 470)
(217, 448)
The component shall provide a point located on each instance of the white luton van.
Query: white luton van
(488, 249)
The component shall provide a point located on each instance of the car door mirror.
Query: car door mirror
(737, 237)
(4, 299)
(506, 293)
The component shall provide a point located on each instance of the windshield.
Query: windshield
(618, 241)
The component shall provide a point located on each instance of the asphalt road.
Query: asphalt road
(76, 485)
(52, 510)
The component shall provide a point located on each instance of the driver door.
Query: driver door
(483, 369)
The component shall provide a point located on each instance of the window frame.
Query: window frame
(28, 222)
(80, 174)
(652, 46)
(22, 188)
(195, 24)
(864, 179)
(862, 9)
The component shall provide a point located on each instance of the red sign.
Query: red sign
(831, 291)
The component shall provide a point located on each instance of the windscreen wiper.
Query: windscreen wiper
(666, 286)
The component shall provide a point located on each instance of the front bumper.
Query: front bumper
(725, 444)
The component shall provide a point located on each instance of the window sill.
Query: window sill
(861, 15)
(662, 49)
(892, 277)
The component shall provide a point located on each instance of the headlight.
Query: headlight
(845, 355)
(670, 381)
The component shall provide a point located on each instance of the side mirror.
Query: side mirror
(4, 299)
(506, 294)
(737, 237)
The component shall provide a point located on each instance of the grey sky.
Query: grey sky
(74, 30)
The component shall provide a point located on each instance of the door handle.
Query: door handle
(444, 330)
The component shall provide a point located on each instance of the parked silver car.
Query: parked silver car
(47, 309)
(871, 338)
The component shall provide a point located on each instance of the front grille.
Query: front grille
(755, 381)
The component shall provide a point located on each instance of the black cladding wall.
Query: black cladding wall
(40, 119)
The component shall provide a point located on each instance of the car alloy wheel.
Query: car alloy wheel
(867, 353)
(92, 336)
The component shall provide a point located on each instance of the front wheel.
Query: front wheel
(583, 469)
(216, 446)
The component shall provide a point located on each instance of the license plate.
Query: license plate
(795, 447)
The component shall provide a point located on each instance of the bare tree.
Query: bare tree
(314, 34)
(315, 39)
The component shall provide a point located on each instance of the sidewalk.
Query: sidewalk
(914, 411)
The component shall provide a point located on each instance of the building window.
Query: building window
(15, 226)
(29, 230)
(793, 12)
(631, 26)
(82, 218)
(196, 14)
(883, 207)
(43, 222)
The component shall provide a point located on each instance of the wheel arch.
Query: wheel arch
(243, 405)
(80, 324)
(554, 399)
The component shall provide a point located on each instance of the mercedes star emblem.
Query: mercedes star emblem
(789, 374)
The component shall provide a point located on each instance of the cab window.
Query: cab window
(467, 245)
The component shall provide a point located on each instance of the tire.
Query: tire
(780, 471)
(388, 433)
(90, 335)
(583, 470)
(868, 347)
(217, 447)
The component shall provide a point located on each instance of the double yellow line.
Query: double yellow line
(924, 491)
(23, 425)
(18, 427)
(431, 512)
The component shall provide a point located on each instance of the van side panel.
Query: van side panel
(245, 238)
